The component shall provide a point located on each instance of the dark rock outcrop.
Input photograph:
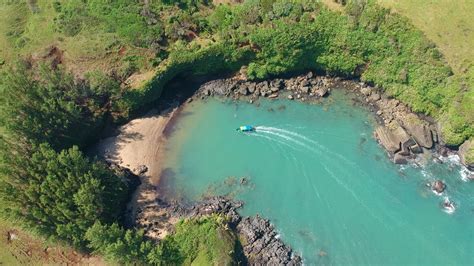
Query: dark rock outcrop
(218, 87)
(261, 244)
(438, 186)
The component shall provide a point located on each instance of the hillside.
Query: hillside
(70, 67)
(449, 25)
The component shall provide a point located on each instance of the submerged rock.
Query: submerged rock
(438, 186)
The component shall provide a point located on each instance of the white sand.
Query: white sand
(141, 142)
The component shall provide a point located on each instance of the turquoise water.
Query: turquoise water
(318, 174)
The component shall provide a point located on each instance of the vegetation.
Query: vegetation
(449, 26)
(18, 247)
(369, 42)
(61, 195)
(113, 58)
(50, 188)
(50, 106)
(170, 38)
(204, 241)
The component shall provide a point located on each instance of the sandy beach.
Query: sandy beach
(139, 144)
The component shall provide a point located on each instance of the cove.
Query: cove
(318, 174)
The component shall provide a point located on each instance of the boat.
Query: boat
(246, 128)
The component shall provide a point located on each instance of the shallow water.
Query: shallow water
(318, 174)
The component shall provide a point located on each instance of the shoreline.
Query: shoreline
(403, 134)
(139, 147)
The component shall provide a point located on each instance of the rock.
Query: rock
(416, 148)
(309, 75)
(218, 86)
(374, 97)
(251, 87)
(274, 89)
(399, 159)
(379, 112)
(273, 96)
(405, 147)
(278, 83)
(141, 169)
(434, 133)
(466, 153)
(261, 246)
(290, 97)
(366, 91)
(321, 92)
(419, 129)
(438, 186)
(243, 90)
(305, 90)
(304, 83)
(392, 136)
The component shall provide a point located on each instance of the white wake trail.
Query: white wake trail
(304, 138)
(290, 139)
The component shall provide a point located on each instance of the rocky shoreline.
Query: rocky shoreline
(403, 133)
(261, 244)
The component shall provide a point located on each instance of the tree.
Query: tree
(47, 106)
(60, 195)
(119, 245)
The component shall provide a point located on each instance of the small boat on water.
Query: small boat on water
(246, 128)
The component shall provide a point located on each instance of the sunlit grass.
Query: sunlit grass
(448, 23)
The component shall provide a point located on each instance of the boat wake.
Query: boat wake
(339, 168)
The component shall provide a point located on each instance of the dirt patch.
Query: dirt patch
(19, 248)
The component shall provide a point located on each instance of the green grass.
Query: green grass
(25, 33)
(205, 241)
(13, 19)
(447, 23)
(27, 249)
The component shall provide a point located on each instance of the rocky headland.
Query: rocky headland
(260, 242)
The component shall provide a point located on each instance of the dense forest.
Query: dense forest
(50, 107)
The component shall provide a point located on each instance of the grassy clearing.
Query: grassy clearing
(23, 249)
(448, 23)
(30, 31)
